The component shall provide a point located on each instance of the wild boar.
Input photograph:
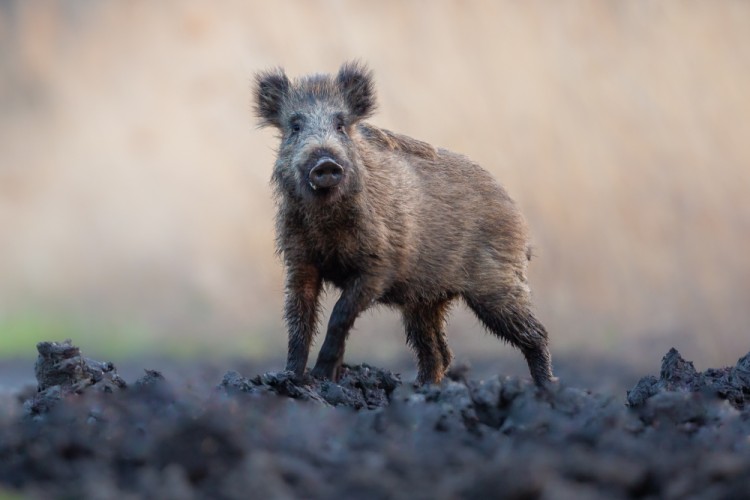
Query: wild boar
(390, 220)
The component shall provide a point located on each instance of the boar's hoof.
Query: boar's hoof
(326, 372)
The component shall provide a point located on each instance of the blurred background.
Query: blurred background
(135, 207)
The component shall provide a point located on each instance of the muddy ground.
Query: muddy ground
(85, 432)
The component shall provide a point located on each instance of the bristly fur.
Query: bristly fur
(396, 142)
(406, 225)
(270, 88)
(356, 82)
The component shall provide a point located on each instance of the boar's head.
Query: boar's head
(316, 116)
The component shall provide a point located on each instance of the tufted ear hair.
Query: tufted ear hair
(356, 84)
(270, 89)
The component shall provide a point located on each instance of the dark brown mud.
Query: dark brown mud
(87, 433)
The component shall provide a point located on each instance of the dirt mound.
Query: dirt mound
(678, 375)
(359, 387)
(86, 433)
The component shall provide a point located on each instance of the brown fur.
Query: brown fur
(411, 226)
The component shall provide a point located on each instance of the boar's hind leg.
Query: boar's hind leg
(425, 333)
(300, 313)
(355, 298)
(509, 317)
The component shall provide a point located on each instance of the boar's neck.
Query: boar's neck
(327, 229)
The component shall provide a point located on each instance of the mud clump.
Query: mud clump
(371, 436)
(62, 370)
(359, 387)
(679, 376)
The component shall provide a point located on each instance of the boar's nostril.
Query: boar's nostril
(326, 174)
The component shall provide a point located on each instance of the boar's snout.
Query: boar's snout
(326, 174)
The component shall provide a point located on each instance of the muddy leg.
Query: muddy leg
(424, 324)
(445, 351)
(300, 314)
(509, 317)
(354, 299)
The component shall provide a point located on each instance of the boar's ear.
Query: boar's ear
(355, 81)
(270, 89)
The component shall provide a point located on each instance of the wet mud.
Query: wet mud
(84, 432)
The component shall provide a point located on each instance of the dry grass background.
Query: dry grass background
(135, 205)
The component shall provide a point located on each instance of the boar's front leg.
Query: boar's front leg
(357, 296)
(301, 313)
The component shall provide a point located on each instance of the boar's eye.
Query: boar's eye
(295, 125)
(340, 125)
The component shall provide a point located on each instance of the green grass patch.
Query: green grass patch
(10, 495)
(20, 333)
(113, 340)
